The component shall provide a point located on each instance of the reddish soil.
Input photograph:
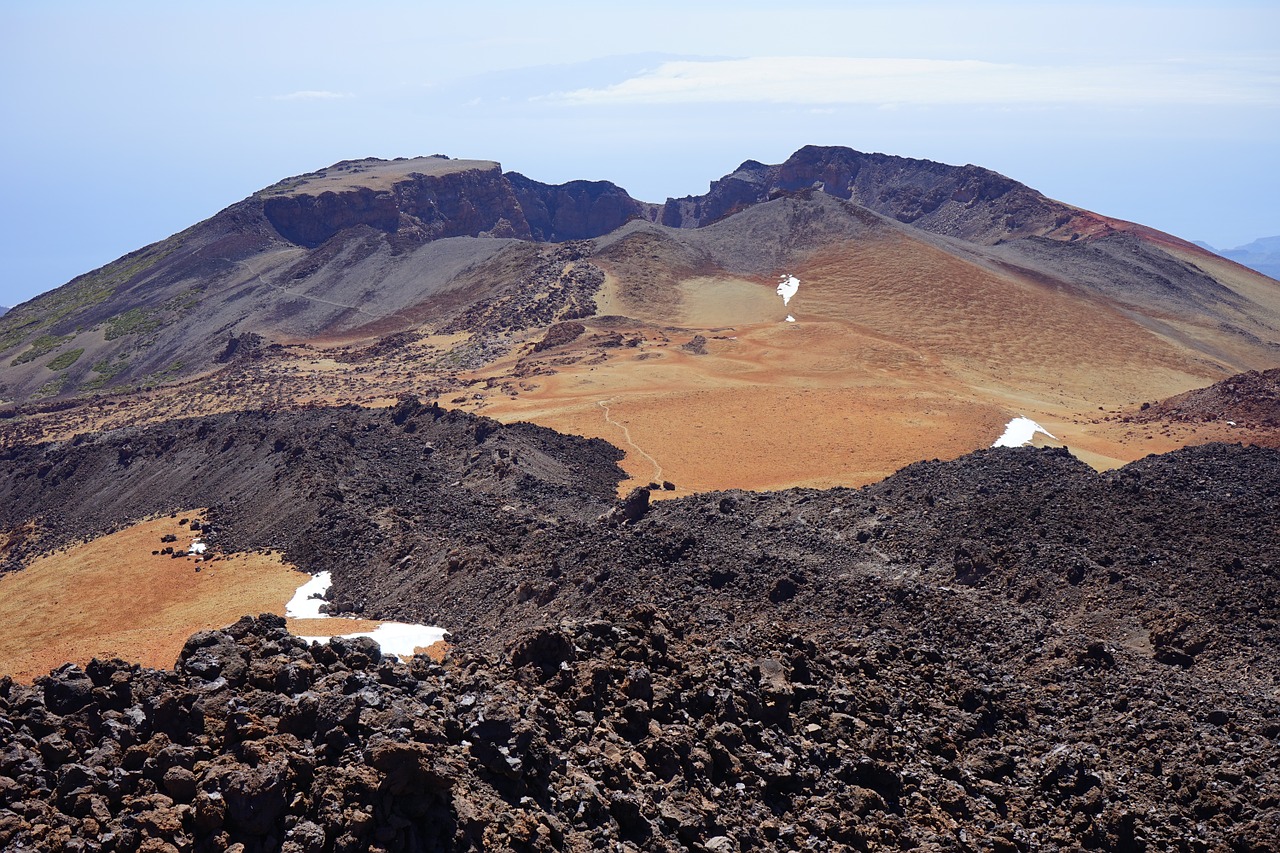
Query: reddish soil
(111, 597)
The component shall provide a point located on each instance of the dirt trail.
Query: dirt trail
(258, 275)
(626, 433)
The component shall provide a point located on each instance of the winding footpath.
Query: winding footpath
(281, 289)
(626, 433)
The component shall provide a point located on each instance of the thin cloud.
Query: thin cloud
(312, 95)
(845, 80)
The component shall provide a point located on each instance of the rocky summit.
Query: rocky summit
(378, 247)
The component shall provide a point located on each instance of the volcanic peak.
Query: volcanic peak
(372, 247)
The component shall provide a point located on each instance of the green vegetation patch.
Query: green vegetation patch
(40, 347)
(79, 293)
(184, 301)
(161, 376)
(65, 360)
(51, 388)
(135, 321)
(15, 327)
(107, 367)
(107, 370)
(169, 371)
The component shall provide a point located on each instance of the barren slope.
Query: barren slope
(935, 304)
(115, 597)
(903, 347)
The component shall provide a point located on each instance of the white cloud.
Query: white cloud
(847, 80)
(312, 95)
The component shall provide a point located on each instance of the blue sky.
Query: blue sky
(128, 121)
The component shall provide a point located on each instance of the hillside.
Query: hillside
(1248, 399)
(933, 304)
(401, 372)
(1008, 647)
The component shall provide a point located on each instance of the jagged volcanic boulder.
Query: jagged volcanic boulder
(639, 731)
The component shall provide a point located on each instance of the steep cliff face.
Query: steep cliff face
(467, 201)
(309, 220)
(578, 210)
(967, 202)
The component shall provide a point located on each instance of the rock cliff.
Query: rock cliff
(967, 202)
(578, 210)
(473, 200)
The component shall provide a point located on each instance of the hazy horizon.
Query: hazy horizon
(129, 122)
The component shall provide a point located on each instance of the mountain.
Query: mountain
(323, 252)
(703, 493)
(1262, 255)
(385, 246)
(934, 303)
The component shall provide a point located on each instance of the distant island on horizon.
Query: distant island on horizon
(1262, 255)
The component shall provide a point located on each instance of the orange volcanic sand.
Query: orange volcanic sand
(111, 598)
(899, 352)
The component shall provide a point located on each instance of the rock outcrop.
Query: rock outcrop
(468, 203)
(1250, 399)
(578, 210)
(473, 200)
(968, 202)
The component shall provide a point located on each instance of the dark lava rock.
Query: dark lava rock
(696, 345)
(630, 509)
(652, 733)
(559, 335)
(1008, 651)
(1249, 399)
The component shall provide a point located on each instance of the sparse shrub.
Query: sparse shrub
(41, 346)
(135, 321)
(107, 370)
(65, 360)
(52, 388)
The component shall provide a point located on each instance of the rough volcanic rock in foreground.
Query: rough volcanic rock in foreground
(1004, 652)
(634, 733)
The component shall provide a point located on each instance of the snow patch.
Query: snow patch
(395, 638)
(306, 601)
(1019, 431)
(787, 287)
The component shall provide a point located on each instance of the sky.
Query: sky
(126, 122)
